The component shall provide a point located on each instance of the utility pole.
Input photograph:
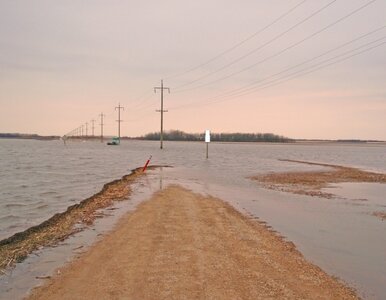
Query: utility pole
(162, 88)
(82, 130)
(119, 121)
(102, 115)
(92, 127)
(86, 129)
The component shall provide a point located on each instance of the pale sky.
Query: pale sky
(62, 63)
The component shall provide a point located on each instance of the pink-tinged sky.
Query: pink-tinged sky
(63, 63)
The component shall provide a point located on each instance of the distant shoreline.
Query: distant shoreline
(21, 136)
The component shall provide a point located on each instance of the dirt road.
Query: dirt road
(180, 245)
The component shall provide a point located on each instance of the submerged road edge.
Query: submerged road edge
(60, 226)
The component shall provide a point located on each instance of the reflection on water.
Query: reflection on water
(40, 179)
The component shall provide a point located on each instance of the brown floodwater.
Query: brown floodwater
(340, 235)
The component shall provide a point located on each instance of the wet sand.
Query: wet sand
(181, 245)
(311, 183)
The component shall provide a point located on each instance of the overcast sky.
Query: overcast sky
(318, 67)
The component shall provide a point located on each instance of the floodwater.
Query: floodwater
(39, 179)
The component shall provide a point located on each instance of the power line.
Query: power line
(92, 122)
(315, 67)
(304, 62)
(142, 99)
(296, 74)
(239, 43)
(162, 88)
(102, 115)
(147, 102)
(306, 71)
(285, 49)
(261, 46)
(119, 107)
(140, 117)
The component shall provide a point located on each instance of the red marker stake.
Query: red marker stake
(145, 166)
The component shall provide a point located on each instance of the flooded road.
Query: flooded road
(339, 235)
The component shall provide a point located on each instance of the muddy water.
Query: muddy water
(341, 236)
(42, 264)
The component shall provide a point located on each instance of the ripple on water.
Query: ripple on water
(42, 206)
(9, 218)
(12, 205)
(49, 177)
(48, 193)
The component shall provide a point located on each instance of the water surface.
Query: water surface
(39, 179)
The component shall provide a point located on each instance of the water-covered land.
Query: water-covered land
(40, 179)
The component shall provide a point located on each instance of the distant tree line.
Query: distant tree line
(27, 136)
(177, 135)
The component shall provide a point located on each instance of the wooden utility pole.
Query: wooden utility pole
(119, 107)
(162, 88)
(101, 115)
(92, 127)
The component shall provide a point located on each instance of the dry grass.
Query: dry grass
(312, 183)
(16, 248)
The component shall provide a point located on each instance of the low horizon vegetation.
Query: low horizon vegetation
(178, 135)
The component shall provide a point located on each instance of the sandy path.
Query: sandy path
(181, 245)
(311, 183)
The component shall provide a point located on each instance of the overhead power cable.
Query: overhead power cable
(261, 46)
(301, 64)
(239, 43)
(285, 49)
(301, 73)
(144, 102)
(325, 62)
(316, 67)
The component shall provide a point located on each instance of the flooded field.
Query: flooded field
(340, 235)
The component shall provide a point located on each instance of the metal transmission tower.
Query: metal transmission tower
(92, 126)
(162, 88)
(102, 115)
(119, 107)
(86, 129)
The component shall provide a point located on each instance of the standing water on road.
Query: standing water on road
(39, 179)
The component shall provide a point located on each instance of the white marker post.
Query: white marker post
(207, 141)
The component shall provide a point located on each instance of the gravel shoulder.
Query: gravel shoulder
(182, 245)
